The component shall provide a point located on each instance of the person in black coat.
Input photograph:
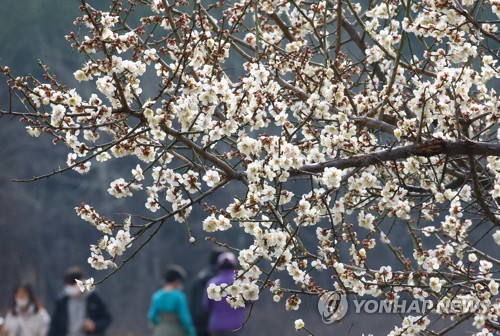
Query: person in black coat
(199, 311)
(77, 313)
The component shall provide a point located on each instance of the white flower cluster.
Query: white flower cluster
(86, 285)
(114, 246)
(412, 325)
(243, 289)
(213, 223)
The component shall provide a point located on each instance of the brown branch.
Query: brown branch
(426, 149)
(19, 114)
(106, 147)
(473, 22)
(375, 124)
(282, 26)
(227, 169)
(339, 28)
(298, 92)
(454, 325)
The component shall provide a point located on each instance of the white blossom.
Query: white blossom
(299, 324)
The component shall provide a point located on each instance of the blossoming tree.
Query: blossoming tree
(343, 121)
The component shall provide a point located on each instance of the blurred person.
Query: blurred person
(26, 316)
(199, 310)
(169, 312)
(77, 313)
(224, 319)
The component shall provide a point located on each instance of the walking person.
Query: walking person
(199, 310)
(26, 316)
(169, 312)
(77, 313)
(224, 319)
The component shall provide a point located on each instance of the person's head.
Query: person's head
(23, 298)
(174, 275)
(227, 261)
(214, 254)
(70, 276)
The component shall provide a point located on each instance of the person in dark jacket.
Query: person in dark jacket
(199, 311)
(77, 313)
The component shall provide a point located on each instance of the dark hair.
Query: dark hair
(227, 264)
(174, 273)
(215, 253)
(226, 261)
(71, 274)
(32, 300)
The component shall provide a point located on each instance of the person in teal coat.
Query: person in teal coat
(169, 312)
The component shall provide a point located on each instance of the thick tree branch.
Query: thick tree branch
(282, 26)
(430, 148)
(375, 124)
